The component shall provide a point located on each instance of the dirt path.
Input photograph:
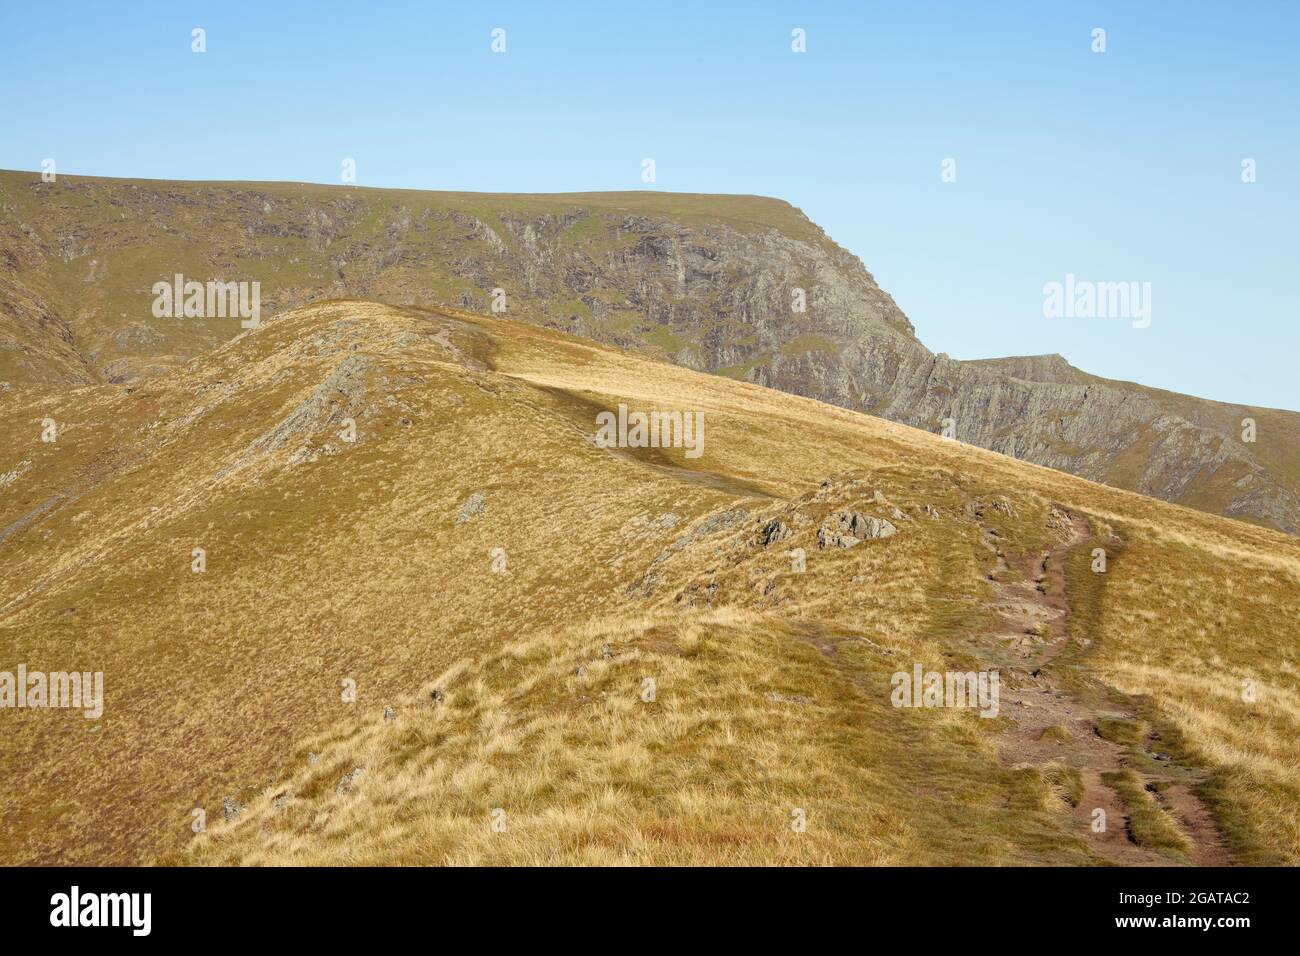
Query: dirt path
(1058, 714)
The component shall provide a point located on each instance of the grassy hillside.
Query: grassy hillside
(373, 561)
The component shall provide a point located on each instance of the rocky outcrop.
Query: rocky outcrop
(776, 530)
(846, 529)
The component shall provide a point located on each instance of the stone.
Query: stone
(777, 697)
(474, 505)
(666, 521)
(845, 529)
(830, 538)
(1005, 506)
(349, 781)
(774, 531)
(231, 809)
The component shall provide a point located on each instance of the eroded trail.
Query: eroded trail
(1059, 715)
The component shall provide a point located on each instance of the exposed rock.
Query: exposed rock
(774, 531)
(390, 714)
(1060, 523)
(647, 584)
(473, 506)
(863, 526)
(706, 527)
(349, 782)
(844, 529)
(231, 809)
(342, 394)
(778, 697)
(830, 538)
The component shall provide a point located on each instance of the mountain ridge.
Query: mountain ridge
(705, 281)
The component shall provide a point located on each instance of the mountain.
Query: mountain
(559, 651)
(707, 282)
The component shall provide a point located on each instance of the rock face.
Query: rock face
(714, 283)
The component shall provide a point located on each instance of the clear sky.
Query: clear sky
(1115, 166)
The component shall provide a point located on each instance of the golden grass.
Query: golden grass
(1209, 640)
(1149, 824)
(751, 732)
(772, 684)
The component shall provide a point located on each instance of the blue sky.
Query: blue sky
(1120, 166)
